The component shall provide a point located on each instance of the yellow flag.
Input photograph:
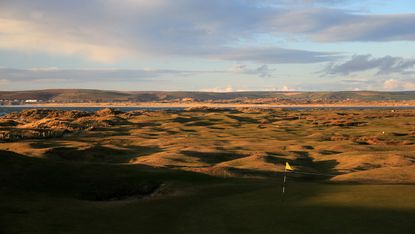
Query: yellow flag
(288, 167)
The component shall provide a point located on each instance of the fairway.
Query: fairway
(224, 208)
(46, 197)
(208, 171)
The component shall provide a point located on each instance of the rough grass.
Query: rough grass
(149, 176)
(321, 141)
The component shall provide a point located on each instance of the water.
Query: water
(8, 109)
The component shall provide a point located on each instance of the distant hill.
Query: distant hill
(88, 95)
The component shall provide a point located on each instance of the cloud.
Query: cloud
(228, 89)
(110, 30)
(394, 84)
(285, 88)
(262, 71)
(391, 84)
(38, 74)
(4, 82)
(117, 75)
(334, 25)
(275, 55)
(26, 36)
(383, 65)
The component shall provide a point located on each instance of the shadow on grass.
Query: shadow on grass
(185, 119)
(329, 152)
(200, 123)
(212, 157)
(85, 180)
(99, 153)
(43, 196)
(243, 119)
(309, 165)
(248, 173)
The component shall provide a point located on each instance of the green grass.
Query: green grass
(42, 196)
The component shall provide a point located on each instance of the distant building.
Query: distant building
(31, 101)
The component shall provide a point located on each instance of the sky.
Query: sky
(208, 45)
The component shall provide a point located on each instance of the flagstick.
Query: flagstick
(283, 185)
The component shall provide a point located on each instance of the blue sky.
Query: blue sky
(215, 45)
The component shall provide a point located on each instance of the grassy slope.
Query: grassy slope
(47, 192)
(380, 150)
(40, 196)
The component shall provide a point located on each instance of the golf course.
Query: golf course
(208, 170)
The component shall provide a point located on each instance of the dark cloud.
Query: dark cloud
(383, 65)
(116, 75)
(334, 25)
(262, 71)
(274, 55)
(198, 28)
(16, 75)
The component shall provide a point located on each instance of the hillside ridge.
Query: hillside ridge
(284, 97)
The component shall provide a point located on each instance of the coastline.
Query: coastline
(218, 105)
